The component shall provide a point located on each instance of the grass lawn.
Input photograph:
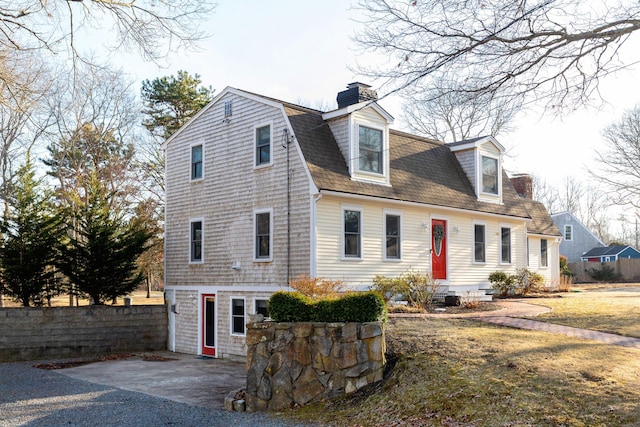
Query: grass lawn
(614, 310)
(457, 372)
(138, 298)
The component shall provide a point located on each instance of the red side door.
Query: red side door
(208, 324)
(439, 249)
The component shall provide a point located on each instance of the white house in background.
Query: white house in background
(577, 239)
(260, 191)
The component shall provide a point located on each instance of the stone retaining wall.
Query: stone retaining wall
(58, 332)
(299, 363)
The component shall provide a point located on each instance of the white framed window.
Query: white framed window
(196, 240)
(392, 235)
(261, 306)
(568, 232)
(263, 144)
(263, 232)
(370, 150)
(238, 320)
(228, 108)
(505, 245)
(544, 255)
(490, 176)
(197, 162)
(351, 233)
(479, 243)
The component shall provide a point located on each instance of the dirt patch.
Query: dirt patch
(73, 363)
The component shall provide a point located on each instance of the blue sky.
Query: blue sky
(301, 52)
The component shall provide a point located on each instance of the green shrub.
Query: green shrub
(502, 282)
(356, 307)
(564, 267)
(606, 273)
(388, 287)
(288, 306)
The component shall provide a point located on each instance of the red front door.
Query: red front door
(208, 324)
(439, 249)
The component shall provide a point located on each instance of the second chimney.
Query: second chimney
(355, 93)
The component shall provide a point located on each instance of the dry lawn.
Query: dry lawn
(456, 372)
(138, 298)
(614, 310)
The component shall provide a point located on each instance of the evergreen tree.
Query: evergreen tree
(171, 101)
(31, 235)
(100, 257)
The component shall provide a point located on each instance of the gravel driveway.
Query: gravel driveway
(36, 397)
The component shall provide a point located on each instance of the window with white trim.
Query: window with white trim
(352, 233)
(195, 241)
(505, 245)
(568, 232)
(392, 236)
(263, 145)
(544, 255)
(479, 243)
(263, 230)
(228, 108)
(489, 175)
(370, 150)
(262, 307)
(238, 321)
(196, 162)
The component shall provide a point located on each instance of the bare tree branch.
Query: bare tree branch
(555, 50)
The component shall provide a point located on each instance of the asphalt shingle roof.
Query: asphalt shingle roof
(421, 171)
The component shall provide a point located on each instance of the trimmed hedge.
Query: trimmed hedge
(295, 307)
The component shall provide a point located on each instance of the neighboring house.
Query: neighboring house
(260, 191)
(576, 238)
(610, 253)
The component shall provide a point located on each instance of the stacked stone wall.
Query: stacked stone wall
(300, 363)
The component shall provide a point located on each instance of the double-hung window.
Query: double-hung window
(544, 256)
(505, 245)
(392, 236)
(263, 145)
(479, 240)
(263, 230)
(195, 246)
(568, 232)
(370, 150)
(489, 175)
(262, 307)
(237, 316)
(196, 162)
(352, 228)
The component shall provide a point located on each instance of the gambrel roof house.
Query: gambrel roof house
(260, 191)
(610, 253)
(577, 239)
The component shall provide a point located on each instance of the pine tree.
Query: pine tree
(31, 235)
(100, 257)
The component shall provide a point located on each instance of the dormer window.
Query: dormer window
(370, 146)
(489, 175)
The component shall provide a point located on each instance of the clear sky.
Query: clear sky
(300, 51)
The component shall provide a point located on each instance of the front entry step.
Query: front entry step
(476, 295)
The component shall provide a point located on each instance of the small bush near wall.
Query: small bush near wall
(356, 307)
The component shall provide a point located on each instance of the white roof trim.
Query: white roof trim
(476, 143)
(359, 106)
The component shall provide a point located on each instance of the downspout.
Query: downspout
(286, 144)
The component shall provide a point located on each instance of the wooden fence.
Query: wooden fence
(628, 269)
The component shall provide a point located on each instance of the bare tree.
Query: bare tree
(556, 50)
(546, 194)
(619, 162)
(455, 116)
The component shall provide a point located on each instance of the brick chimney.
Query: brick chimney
(355, 93)
(523, 183)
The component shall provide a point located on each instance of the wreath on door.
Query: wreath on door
(438, 235)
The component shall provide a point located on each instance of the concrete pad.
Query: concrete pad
(190, 379)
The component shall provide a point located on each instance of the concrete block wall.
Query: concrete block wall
(59, 332)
